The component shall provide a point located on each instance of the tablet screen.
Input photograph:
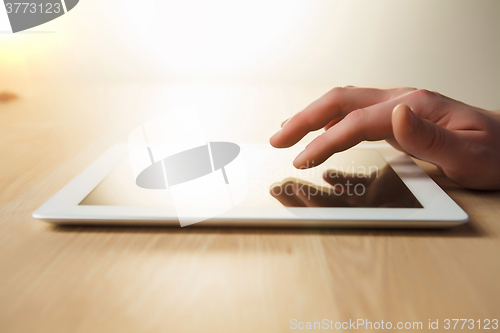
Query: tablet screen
(354, 178)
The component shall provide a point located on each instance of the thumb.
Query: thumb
(422, 138)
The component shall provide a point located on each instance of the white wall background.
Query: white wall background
(444, 45)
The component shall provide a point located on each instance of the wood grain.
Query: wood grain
(125, 279)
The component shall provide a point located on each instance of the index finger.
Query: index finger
(336, 103)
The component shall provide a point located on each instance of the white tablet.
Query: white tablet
(366, 186)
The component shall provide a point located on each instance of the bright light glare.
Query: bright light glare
(213, 36)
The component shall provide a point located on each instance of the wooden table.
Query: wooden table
(117, 279)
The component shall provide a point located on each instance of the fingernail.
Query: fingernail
(299, 161)
(412, 121)
(283, 123)
(276, 135)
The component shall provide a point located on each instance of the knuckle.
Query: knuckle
(423, 94)
(409, 88)
(406, 90)
(356, 116)
(357, 119)
(336, 92)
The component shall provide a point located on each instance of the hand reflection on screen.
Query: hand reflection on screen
(382, 188)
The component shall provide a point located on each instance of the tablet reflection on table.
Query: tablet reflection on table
(381, 189)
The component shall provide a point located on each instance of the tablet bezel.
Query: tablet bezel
(439, 210)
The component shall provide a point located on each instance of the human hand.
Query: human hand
(462, 140)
